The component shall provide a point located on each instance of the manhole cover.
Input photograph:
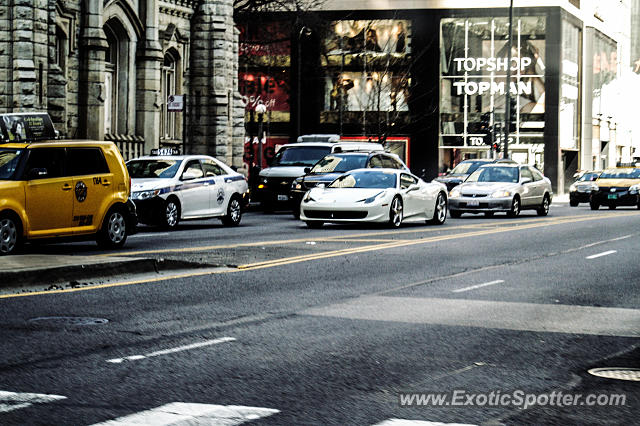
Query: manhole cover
(69, 320)
(620, 373)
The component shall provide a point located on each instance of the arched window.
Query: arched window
(119, 79)
(110, 86)
(168, 128)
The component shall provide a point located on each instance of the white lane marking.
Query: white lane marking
(403, 422)
(10, 401)
(604, 253)
(183, 414)
(173, 350)
(473, 287)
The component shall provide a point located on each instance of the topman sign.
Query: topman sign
(479, 65)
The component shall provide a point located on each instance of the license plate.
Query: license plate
(473, 203)
(282, 197)
(612, 196)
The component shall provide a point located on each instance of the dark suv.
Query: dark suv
(333, 165)
(460, 172)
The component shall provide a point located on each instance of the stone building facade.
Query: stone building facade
(104, 69)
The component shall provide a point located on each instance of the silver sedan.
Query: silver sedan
(507, 188)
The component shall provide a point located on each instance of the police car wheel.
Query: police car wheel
(10, 234)
(171, 214)
(114, 230)
(234, 212)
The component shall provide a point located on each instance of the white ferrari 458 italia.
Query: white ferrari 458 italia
(375, 195)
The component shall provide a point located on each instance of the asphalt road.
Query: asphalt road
(295, 326)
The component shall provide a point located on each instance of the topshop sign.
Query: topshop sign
(479, 65)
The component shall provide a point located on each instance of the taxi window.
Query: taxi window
(50, 160)
(9, 159)
(86, 161)
(212, 169)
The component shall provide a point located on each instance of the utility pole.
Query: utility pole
(507, 103)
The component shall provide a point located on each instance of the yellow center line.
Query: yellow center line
(311, 238)
(332, 253)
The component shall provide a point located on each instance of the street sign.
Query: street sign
(175, 103)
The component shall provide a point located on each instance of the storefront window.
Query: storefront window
(473, 68)
(570, 87)
(366, 69)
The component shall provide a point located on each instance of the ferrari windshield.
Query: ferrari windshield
(339, 163)
(9, 159)
(160, 168)
(365, 179)
(494, 174)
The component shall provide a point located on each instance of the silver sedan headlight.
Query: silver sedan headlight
(455, 193)
(501, 194)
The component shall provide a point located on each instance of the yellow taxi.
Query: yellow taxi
(616, 187)
(60, 188)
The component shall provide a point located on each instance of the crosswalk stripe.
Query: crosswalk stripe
(10, 401)
(184, 414)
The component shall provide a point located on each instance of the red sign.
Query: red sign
(272, 91)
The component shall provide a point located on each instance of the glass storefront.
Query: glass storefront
(366, 74)
(473, 68)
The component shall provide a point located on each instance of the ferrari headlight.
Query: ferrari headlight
(308, 197)
(455, 193)
(370, 199)
(144, 195)
(501, 194)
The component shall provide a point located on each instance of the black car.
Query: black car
(460, 172)
(580, 190)
(333, 165)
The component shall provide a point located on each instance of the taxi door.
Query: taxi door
(93, 187)
(48, 193)
(194, 190)
(218, 193)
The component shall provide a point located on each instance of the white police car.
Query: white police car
(169, 188)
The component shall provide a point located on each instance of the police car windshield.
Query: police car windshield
(300, 155)
(149, 169)
(621, 174)
(9, 159)
(494, 174)
(338, 163)
(365, 179)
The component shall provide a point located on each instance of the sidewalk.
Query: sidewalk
(46, 268)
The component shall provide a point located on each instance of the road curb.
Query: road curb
(88, 270)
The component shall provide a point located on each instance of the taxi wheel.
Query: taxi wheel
(573, 203)
(234, 212)
(171, 216)
(515, 208)
(395, 213)
(114, 230)
(10, 234)
(594, 205)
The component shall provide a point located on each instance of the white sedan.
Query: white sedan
(169, 188)
(375, 195)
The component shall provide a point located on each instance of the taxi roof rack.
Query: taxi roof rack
(26, 127)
